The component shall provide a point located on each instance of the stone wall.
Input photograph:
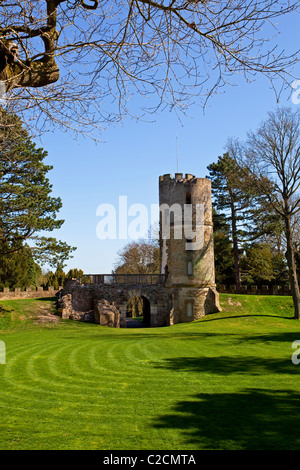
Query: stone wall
(263, 290)
(167, 306)
(28, 293)
(79, 302)
(203, 301)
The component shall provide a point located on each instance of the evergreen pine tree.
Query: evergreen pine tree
(243, 207)
(26, 205)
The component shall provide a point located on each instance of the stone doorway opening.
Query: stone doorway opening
(138, 312)
(146, 312)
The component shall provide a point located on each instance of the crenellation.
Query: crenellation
(178, 177)
(28, 293)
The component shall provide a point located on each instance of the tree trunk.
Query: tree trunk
(16, 73)
(236, 254)
(292, 268)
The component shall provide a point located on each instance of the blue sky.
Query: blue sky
(133, 155)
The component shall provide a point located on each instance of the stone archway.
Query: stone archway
(149, 307)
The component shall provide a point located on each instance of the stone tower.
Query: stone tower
(187, 246)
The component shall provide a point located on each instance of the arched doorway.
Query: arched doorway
(138, 312)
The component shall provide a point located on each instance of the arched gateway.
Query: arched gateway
(185, 290)
(79, 301)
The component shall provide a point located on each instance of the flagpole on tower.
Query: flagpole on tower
(177, 152)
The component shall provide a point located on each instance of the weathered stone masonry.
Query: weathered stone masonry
(189, 261)
(82, 302)
(28, 293)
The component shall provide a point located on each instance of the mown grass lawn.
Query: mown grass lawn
(224, 382)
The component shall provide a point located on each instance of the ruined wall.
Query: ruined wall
(79, 302)
(106, 314)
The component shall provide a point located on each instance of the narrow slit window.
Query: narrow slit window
(189, 309)
(190, 268)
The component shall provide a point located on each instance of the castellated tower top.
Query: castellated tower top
(178, 176)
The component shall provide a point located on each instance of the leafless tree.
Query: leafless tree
(273, 154)
(138, 257)
(82, 62)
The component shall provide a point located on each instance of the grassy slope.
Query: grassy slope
(224, 382)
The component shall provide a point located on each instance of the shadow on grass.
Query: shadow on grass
(249, 419)
(141, 334)
(46, 299)
(249, 315)
(227, 365)
(252, 419)
(138, 334)
(4, 311)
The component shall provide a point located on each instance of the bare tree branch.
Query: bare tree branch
(106, 53)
